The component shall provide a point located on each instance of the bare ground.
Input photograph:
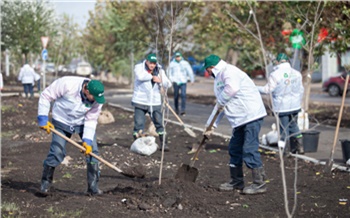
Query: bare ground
(25, 146)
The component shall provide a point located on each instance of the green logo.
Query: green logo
(285, 75)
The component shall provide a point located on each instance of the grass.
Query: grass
(71, 214)
(9, 210)
(8, 108)
(7, 134)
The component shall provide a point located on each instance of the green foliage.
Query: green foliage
(23, 23)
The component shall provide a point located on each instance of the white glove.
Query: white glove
(208, 131)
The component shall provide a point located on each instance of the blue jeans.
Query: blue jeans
(181, 88)
(289, 125)
(28, 88)
(140, 118)
(58, 145)
(244, 145)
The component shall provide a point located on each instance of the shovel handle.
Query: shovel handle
(204, 137)
(172, 110)
(82, 148)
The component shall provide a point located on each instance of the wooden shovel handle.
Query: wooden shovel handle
(204, 137)
(177, 117)
(82, 148)
(330, 161)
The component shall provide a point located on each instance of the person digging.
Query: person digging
(77, 105)
(239, 99)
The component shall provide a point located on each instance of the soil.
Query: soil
(25, 146)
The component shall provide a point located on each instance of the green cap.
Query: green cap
(281, 57)
(97, 89)
(152, 58)
(178, 54)
(211, 60)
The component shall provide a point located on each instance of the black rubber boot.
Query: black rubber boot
(166, 147)
(299, 145)
(93, 175)
(237, 181)
(259, 185)
(287, 148)
(46, 179)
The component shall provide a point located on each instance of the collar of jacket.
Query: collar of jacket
(284, 65)
(219, 67)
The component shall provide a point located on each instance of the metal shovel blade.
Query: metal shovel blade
(187, 173)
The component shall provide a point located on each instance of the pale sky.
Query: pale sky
(79, 9)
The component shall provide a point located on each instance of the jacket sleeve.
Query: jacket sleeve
(51, 93)
(141, 74)
(189, 71)
(165, 81)
(90, 123)
(231, 87)
(270, 86)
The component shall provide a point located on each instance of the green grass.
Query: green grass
(9, 210)
(70, 214)
(8, 108)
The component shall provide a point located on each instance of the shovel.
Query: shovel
(188, 172)
(188, 130)
(132, 173)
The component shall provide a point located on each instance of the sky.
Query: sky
(79, 9)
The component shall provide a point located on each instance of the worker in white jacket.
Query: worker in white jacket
(150, 78)
(179, 71)
(240, 100)
(285, 84)
(77, 106)
(27, 77)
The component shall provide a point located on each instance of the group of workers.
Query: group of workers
(78, 102)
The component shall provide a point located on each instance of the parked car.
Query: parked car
(335, 85)
(50, 68)
(84, 69)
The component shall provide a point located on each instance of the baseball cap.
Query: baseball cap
(152, 58)
(281, 57)
(96, 89)
(211, 60)
(178, 54)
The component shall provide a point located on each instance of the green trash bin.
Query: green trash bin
(310, 140)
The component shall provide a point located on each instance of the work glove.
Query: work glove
(208, 131)
(45, 124)
(88, 148)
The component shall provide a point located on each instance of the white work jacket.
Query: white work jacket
(69, 107)
(144, 92)
(26, 75)
(237, 92)
(285, 84)
(179, 72)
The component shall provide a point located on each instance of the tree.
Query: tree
(23, 23)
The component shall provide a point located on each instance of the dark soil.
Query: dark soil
(25, 146)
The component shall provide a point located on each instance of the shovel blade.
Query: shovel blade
(187, 173)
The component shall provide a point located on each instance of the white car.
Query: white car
(84, 69)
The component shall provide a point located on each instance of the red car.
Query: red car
(335, 85)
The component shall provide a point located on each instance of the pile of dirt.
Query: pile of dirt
(25, 146)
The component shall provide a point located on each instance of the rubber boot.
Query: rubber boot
(287, 148)
(258, 186)
(166, 147)
(237, 181)
(93, 175)
(46, 179)
(299, 145)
